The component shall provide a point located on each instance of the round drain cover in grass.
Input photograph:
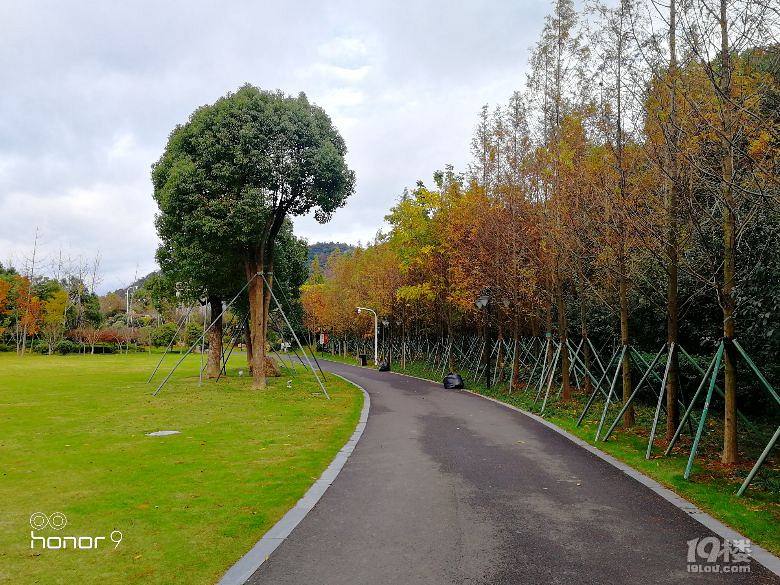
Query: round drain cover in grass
(162, 433)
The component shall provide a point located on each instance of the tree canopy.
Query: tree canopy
(228, 179)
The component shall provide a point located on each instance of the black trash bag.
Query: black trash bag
(384, 367)
(453, 382)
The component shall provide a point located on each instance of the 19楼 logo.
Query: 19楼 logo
(713, 555)
(58, 521)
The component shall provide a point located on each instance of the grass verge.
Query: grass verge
(188, 505)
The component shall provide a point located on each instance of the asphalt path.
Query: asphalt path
(447, 487)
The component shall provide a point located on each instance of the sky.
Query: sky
(91, 91)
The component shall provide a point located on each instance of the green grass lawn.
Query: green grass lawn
(712, 487)
(73, 440)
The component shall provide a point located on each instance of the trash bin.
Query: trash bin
(453, 381)
(362, 360)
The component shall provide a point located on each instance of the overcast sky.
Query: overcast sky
(91, 91)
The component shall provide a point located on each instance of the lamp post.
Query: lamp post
(376, 333)
(483, 303)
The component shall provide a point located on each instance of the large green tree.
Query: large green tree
(231, 175)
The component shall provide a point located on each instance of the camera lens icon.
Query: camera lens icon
(39, 521)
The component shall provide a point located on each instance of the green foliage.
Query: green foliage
(191, 333)
(315, 272)
(228, 178)
(157, 292)
(226, 184)
(39, 346)
(163, 335)
(320, 251)
(66, 346)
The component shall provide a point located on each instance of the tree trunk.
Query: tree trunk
(562, 337)
(515, 358)
(403, 345)
(728, 303)
(257, 317)
(498, 375)
(628, 417)
(584, 333)
(249, 353)
(672, 251)
(548, 332)
(729, 329)
(214, 364)
(672, 324)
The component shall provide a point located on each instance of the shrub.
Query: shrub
(105, 348)
(162, 335)
(191, 333)
(39, 346)
(111, 336)
(66, 346)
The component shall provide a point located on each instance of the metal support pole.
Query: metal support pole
(170, 344)
(203, 343)
(741, 416)
(700, 429)
(514, 361)
(598, 389)
(688, 410)
(488, 347)
(633, 395)
(661, 394)
(233, 343)
(611, 391)
(295, 336)
(760, 462)
(756, 371)
(597, 383)
(201, 337)
(552, 375)
(596, 355)
(543, 374)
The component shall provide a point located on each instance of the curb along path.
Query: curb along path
(450, 487)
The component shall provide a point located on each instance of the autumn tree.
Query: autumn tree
(54, 314)
(556, 78)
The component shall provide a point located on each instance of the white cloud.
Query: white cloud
(341, 98)
(342, 49)
(341, 74)
(92, 90)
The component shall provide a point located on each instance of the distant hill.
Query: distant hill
(322, 250)
(318, 249)
(138, 283)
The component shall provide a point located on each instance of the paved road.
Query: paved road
(448, 488)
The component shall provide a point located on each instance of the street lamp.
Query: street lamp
(376, 333)
(483, 304)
